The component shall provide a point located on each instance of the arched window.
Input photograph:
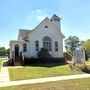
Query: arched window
(37, 45)
(56, 46)
(47, 43)
(24, 47)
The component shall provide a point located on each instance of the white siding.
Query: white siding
(39, 33)
(12, 48)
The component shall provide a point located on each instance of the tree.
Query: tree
(71, 43)
(3, 51)
(86, 45)
(7, 51)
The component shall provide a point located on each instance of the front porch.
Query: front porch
(17, 52)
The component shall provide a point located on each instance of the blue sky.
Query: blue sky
(16, 14)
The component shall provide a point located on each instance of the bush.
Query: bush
(76, 67)
(43, 53)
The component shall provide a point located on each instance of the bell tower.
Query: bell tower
(56, 21)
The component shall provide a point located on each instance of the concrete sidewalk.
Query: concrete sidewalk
(4, 75)
(43, 80)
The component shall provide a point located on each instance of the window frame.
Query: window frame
(37, 45)
(47, 43)
(24, 47)
(56, 46)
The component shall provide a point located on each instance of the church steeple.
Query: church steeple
(56, 20)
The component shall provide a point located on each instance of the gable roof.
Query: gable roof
(58, 30)
(24, 32)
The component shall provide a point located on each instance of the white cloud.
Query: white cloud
(33, 12)
(36, 11)
(41, 17)
(39, 14)
(33, 18)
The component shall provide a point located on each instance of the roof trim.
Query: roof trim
(59, 32)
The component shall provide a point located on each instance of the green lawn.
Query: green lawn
(2, 61)
(77, 84)
(32, 72)
(0, 64)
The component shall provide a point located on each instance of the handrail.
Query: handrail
(22, 56)
(13, 55)
(68, 56)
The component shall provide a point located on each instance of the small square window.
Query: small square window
(46, 26)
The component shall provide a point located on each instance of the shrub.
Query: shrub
(76, 67)
(43, 53)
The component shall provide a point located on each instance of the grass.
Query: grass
(32, 72)
(77, 84)
(0, 64)
(88, 62)
(2, 61)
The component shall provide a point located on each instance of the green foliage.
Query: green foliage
(86, 45)
(4, 51)
(71, 43)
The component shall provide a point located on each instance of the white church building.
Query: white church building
(46, 35)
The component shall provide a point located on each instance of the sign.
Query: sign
(79, 56)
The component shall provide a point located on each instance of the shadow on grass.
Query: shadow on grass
(5, 64)
(86, 70)
(39, 64)
(44, 62)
